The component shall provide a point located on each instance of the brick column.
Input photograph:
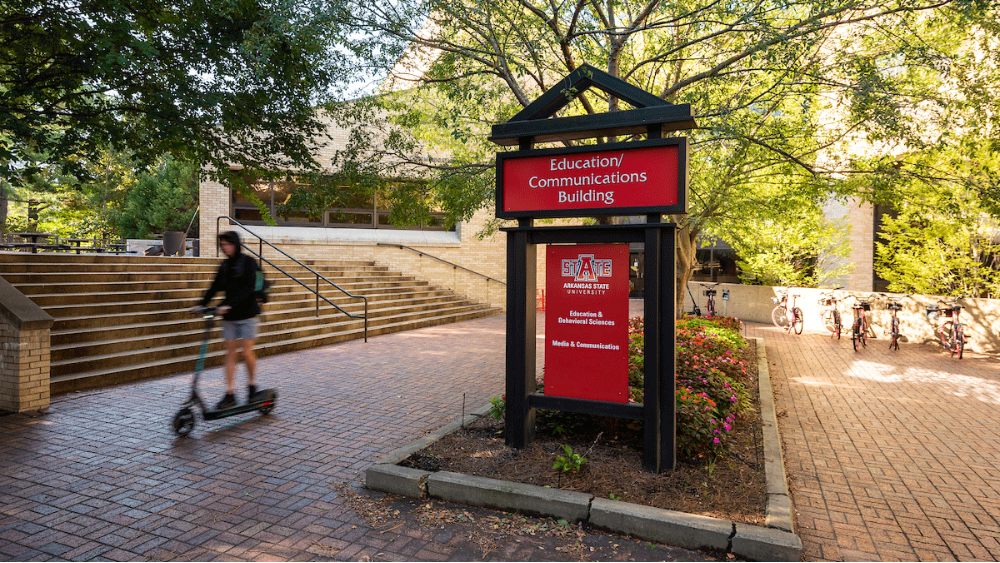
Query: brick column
(214, 201)
(24, 352)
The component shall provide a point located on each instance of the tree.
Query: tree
(213, 82)
(164, 199)
(943, 235)
(779, 89)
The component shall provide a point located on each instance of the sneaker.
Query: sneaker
(227, 402)
(251, 393)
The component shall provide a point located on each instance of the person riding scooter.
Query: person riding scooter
(243, 283)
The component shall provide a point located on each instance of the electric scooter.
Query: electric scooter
(184, 420)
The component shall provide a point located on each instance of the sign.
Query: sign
(586, 322)
(617, 179)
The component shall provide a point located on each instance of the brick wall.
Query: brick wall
(24, 368)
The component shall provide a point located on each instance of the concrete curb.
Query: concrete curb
(778, 513)
(679, 529)
(777, 542)
(505, 495)
(404, 481)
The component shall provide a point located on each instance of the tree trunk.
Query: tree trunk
(685, 261)
(32, 215)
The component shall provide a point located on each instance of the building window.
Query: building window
(352, 210)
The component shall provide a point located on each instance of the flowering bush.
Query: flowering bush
(711, 380)
(699, 428)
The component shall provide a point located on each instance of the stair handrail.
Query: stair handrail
(260, 257)
(452, 264)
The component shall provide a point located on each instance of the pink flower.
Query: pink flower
(716, 440)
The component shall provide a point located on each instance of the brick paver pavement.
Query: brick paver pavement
(891, 455)
(102, 477)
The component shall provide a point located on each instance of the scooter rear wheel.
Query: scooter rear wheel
(183, 422)
(272, 398)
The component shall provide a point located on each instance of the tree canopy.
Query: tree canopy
(213, 82)
(789, 96)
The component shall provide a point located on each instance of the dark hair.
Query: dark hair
(230, 237)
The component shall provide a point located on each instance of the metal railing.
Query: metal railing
(260, 257)
(452, 264)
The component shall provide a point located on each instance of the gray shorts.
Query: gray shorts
(245, 329)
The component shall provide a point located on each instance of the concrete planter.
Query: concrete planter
(776, 542)
(174, 243)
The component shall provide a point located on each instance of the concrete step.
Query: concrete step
(105, 278)
(118, 287)
(82, 260)
(190, 296)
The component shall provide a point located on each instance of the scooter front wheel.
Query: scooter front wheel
(183, 422)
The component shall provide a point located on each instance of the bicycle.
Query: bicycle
(710, 293)
(894, 306)
(831, 316)
(951, 333)
(787, 317)
(859, 329)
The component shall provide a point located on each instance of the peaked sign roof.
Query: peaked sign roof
(650, 113)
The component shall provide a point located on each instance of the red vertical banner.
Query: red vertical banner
(586, 322)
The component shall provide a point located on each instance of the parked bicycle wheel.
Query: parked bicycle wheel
(959, 343)
(864, 333)
(830, 323)
(946, 334)
(856, 334)
(780, 317)
(797, 320)
(894, 333)
(710, 308)
(837, 324)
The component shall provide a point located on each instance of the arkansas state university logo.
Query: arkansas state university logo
(586, 268)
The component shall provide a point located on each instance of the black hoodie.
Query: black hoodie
(238, 277)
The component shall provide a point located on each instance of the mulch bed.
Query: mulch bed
(731, 488)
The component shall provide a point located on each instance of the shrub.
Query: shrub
(711, 378)
(700, 431)
(498, 407)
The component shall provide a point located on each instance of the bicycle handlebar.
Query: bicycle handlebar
(952, 304)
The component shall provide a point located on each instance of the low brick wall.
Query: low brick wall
(980, 317)
(24, 352)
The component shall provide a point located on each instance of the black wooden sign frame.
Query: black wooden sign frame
(658, 412)
(652, 116)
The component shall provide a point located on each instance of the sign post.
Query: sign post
(587, 270)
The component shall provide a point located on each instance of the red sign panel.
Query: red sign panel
(586, 322)
(623, 178)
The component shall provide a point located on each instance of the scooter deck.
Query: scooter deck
(265, 398)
